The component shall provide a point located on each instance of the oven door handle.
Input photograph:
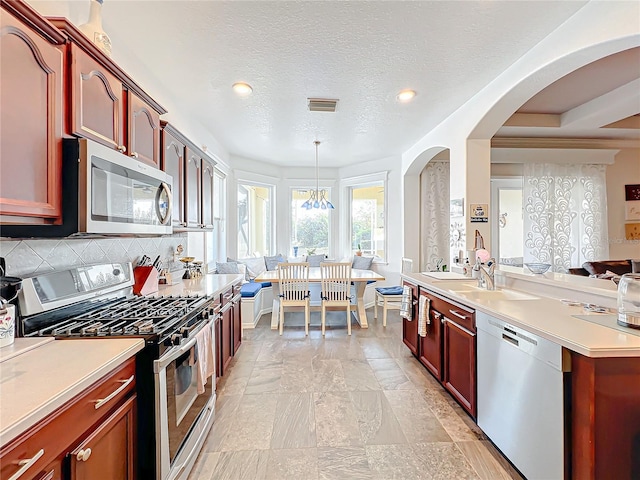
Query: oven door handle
(175, 352)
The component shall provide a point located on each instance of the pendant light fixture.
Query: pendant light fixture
(317, 198)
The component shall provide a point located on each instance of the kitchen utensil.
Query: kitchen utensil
(629, 300)
(156, 262)
(7, 323)
(538, 268)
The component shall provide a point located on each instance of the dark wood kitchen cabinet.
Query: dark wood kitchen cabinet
(207, 194)
(193, 188)
(430, 346)
(144, 131)
(193, 180)
(31, 117)
(448, 350)
(106, 104)
(96, 101)
(237, 319)
(460, 364)
(173, 164)
(107, 452)
(102, 419)
(225, 341)
(410, 328)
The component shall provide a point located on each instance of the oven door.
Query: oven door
(179, 407)
(121, 194)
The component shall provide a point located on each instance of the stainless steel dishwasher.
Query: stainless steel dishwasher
(521, 397)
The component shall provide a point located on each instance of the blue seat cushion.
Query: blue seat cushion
(397, 290)
(250, 289)
(265, 284)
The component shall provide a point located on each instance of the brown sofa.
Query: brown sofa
(619, 267)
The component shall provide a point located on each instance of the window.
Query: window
(309, 228)
(255, 225)
(368, 219)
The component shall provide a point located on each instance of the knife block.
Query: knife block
(145, 280)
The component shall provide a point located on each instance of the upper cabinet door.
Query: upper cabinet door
(173, 164)
(96, 101)
(30, 124)
(192, 193)
(207, 194)
(144, 131)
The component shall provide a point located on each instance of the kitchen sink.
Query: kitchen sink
(477, 293)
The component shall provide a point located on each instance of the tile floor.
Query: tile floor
(339, 407)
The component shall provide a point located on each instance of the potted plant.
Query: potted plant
(311, 251)
(359, 251)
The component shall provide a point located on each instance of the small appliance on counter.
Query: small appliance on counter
(629, 300)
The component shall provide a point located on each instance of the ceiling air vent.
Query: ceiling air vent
(322, 104)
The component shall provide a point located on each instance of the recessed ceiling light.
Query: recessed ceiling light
(242, 89)
(406, 95)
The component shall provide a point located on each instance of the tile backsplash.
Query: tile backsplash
(26, 258)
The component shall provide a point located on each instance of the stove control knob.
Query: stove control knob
(204, 315)
(176, 339)
(185, 332)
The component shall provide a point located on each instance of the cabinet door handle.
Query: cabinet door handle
(83, 455)
(101, 401)
(415, 302)
(134, 154)
(26, 464)
(459, 315)
(122, 148)
(459, 327)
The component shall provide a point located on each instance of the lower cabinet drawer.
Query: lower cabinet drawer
(40, 446)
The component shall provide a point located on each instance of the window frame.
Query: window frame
(348, 185)
(272, 188)
(301, 185)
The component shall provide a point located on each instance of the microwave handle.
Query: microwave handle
(164, 219)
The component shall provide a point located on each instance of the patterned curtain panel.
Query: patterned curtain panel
(434, 215)
(565, 214)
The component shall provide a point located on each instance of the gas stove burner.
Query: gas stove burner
(62, 330)
(92, 329)
(144, 326)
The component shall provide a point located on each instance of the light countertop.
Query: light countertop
(208, 285)
(37, 382)
(542, 315)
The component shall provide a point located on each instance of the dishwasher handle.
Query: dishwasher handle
(511, 340)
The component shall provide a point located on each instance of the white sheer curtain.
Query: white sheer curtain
(565, 214)
(434, 214)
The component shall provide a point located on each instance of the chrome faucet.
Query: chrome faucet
(485, 277)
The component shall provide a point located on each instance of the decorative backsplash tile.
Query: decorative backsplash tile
(28, 257)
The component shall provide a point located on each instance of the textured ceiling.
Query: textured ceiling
(360, 52)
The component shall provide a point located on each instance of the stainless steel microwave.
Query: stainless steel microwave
(106, 193)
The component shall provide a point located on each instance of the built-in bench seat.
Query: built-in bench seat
(257, 299)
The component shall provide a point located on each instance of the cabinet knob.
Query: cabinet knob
(134, 154)
(122, 148)
(83, 455)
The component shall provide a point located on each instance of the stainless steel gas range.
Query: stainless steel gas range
(96, 301)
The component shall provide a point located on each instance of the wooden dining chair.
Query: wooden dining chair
(293, 279)
(336, 289)
(390, 297)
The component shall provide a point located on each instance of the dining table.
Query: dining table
(359, 279)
